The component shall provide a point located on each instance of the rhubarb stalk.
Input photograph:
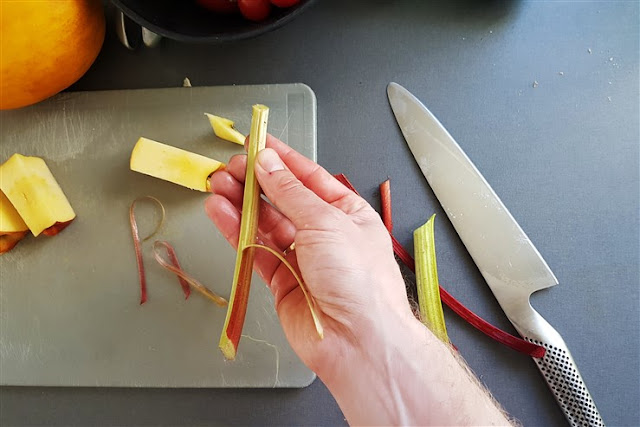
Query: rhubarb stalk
(248, 229)
(427, 280)
(469, 316)
(385, 202)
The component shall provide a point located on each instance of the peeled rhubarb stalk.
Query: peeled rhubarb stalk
(173, 164)
(431, 313)
(237, 309)
(12, 227)
(35, 194)
(224, 128)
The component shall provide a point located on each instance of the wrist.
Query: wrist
(404, 375)
(368, 381)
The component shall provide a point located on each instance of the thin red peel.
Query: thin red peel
(185, 278)
(173, 260)
(137, 243)
(470, 317)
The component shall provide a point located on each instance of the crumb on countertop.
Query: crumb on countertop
(535, 83)
(186, 82)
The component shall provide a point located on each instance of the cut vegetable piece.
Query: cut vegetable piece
(427, 280)
(223, 128)
(385, 202)
(183, 277)
(469, 316)
(34, 193)
(137, 243)
(9, 240)
(248, 229)
(12, 227)
(173, 164)
(10, 219)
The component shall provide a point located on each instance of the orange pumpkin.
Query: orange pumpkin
(46, 46)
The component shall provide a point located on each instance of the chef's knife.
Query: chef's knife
(512, 267)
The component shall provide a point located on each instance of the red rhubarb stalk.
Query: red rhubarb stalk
(385, 204)
(469, 316)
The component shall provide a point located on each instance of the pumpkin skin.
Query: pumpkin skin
(46, 47)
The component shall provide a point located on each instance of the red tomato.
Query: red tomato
(285, 3)
(255, 10)
(219, 6)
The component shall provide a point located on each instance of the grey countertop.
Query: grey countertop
(543, 97)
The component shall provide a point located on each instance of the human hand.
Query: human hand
(342, 251)
(380, 363)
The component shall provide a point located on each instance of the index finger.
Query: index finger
(312, 175)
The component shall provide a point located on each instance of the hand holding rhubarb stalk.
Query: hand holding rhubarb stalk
(381, 364)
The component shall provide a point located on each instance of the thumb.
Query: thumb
(302, 206)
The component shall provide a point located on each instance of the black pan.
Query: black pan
(185, 21)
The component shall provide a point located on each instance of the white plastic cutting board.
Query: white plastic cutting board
(69, 304)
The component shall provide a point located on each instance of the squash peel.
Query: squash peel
(224, 128)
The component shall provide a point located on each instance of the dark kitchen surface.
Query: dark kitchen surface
(542, 96)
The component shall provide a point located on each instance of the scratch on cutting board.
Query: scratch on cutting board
(286, 126)
(275, 384)
(50, 135)
(267, 312)
(66, 127)
(20, 351)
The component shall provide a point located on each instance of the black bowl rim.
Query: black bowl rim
(223, 37)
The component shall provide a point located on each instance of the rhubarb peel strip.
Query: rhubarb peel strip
(310, 300)
(137, 242)
(427, 280)
(237, 309)
(469, 316)
(174, 267)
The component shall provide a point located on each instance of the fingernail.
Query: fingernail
(269, 160)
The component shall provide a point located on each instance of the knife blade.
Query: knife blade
(510, 264)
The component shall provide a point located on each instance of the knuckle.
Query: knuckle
(288, 184)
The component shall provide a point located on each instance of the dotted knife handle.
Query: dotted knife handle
(562, 376)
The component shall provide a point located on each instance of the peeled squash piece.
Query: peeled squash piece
(12, 227)
(173, 164)
(35, 194)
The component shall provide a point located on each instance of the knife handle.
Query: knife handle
(561, 373)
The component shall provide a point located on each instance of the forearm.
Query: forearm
(406, 376)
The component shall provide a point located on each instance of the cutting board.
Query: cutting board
(69, 304)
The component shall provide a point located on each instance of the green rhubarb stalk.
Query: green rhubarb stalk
(427, 280)
(248, 230)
